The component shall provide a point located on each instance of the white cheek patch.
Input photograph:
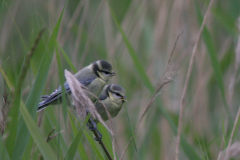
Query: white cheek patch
(99, 65)
(104, 76)
(115, 96)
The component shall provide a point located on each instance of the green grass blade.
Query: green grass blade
(237, 128)
(91, 141)
(36, 91)
(106, 138)
(77, 140)
(64, 100)
(225, 19)
(43, 71)
(9, 84)
(28, 151)
(13, 114)
(93, 145)
(54, 123)
(62, 80)
(214, 60)
(131, 129)
(13, 124)
(190, 152)
(81, 148)
(20, 35)
(223, 130)
(4, 154)
(67, 59)
(136, 61)
(187, 148)
(42, 145)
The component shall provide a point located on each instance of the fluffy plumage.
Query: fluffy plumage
(112, 96)
(93, 77)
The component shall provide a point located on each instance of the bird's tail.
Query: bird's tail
(42, 104)
(44, 97)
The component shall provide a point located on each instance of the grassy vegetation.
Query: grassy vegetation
(39, 39)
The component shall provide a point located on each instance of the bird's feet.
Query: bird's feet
(92, 126)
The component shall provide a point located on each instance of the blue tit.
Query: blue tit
(93, 77)
(112, 96)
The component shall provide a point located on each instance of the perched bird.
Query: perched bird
(93, 77)
(112, 96)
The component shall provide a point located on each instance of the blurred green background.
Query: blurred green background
(89, 32)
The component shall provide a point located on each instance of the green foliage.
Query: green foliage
(136, 37)
(78, 135)
(76, 142)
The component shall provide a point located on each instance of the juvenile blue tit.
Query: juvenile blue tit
(112, 96)
(93, 77)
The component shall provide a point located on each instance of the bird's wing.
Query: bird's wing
(84, 82)
(58, 92)
(103, 97)
(44, 97)
(53, 96)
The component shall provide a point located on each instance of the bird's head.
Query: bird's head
(103, 70)
(116, 93)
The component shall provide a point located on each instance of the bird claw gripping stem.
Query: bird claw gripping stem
(92, 126)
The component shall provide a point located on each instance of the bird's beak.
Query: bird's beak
(124, 99)
(113, 73)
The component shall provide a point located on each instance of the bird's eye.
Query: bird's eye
(118, 94)
(106, 72)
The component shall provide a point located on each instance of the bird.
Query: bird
(111, 99)
(93, 77)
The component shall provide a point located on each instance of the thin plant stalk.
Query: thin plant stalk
(187, 81)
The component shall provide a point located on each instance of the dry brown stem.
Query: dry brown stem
(231, 89)
(166, 78)
(91, 30)
(80, 31)
(232, 134)
(73, 20)
(233, 151)
(236, 67)
(187, 80)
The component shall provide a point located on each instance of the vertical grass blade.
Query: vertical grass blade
(67, 58)
(106, 138)
(42, 145)
(10, 86)
(131, 129)
(36, 91)
(81, 148)
(62, 80)
(136, 61)
(214, 60)
(91, 141)
(54, 123)
(13, 124)
(32, 127)
(189, 151)
(77, 140)
(28, 151)
(93, 145)
(4, 154)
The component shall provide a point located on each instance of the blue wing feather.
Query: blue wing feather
(57, 94)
